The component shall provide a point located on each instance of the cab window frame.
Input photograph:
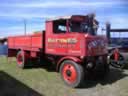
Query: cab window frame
(57, 23)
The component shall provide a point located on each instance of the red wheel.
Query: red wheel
(72, 73)
(69, 73)
(21, 59)
(116, 60)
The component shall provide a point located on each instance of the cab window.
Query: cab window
(59, 26)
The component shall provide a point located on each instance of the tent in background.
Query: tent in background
(3, 47)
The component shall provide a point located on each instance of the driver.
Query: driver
(93, 24)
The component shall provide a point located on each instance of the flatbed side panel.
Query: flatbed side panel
(30, 43)
(37, 41)
(11, 42)
(22, 41)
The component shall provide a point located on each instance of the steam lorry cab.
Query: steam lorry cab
(69, 42)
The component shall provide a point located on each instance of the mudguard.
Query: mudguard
(75, 59)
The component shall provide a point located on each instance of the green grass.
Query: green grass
(41, 82)
(37, 80)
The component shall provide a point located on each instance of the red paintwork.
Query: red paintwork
(33, 54)
(71, 78)
(29, 42)
(99, 49)
(75, 59)
(77, 49)
(116, 54)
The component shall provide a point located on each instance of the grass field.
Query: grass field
(46, 82)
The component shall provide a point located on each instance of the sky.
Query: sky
(13, 13)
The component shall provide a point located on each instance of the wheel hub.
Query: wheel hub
(69, 73)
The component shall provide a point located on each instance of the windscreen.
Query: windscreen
(84, 27)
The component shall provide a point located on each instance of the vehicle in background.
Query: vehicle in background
(118, 47)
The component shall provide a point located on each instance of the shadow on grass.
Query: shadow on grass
(45, 65)
(113, 76)
(9, 86)
(110, 78)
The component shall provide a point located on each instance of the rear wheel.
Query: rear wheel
(72, 73)
(22, 59)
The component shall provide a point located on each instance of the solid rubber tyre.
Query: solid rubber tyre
(72, 73)
(21, 59)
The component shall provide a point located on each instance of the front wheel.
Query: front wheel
(72, 73)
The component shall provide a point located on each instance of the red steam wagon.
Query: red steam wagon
(69, 42)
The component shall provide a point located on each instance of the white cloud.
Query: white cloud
(30, 10)
(70, 4)
(19, 30)
(40, 9)
(117, 21)
(25, 15)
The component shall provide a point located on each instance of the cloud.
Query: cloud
(26, 15)
(19, 29)
(117, 21)
(51, 9)
(42, 10)
(70, 4)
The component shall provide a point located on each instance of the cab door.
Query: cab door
(56, 42)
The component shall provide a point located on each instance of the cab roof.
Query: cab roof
(68, 17)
